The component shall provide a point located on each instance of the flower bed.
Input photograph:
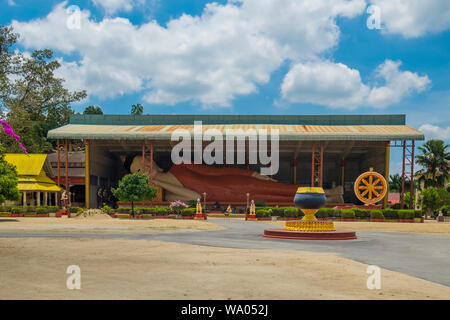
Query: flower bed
(377, 220)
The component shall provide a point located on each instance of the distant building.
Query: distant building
(35, 179)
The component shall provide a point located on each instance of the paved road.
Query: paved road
(419, 255)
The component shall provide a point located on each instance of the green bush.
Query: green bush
(276, 211)
(29, 209)
(76, 209)
(347, 213)
(376, 214)
(5, 209)
(361, 213)
(147, 210)
(291, 212)
(124, 210)
(41, 210)
(445, 209)
(188, 212)
(406, 214)
(418, 213)
(17, 210)
(263, 213)
(161, 211)
(53, 209)
(390, 213)
(322, 213)
(107, 209)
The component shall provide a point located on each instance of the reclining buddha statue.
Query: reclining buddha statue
(189, 181)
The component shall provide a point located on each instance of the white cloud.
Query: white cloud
(435, 132)
(414, 18)
(226, 51)
(336, 85)
(11, 3)
(113, 6)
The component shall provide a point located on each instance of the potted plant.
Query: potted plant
(42, 212)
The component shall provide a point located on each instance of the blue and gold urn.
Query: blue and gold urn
(309, 200)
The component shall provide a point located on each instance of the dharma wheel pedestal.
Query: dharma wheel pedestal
(309, 230)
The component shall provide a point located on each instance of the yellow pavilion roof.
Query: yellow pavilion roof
(32, 176)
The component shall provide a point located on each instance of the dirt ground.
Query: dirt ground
(102, 224)
(35, 268)
(432, 227)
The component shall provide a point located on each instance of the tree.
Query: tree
(395, 183)
(137, 109)
(93, 110)
(35, 100)
(430, 201)
(436, 160)
(8, 179)
(134, 188)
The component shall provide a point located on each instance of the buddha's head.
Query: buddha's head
(136, 166)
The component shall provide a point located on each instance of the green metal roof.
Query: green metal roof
(324, 120)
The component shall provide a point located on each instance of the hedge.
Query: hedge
(347, 213)
(263, 213)
(17, 210)
(291, 212)
(188, 212)
(41, 210)
(376, 214)
(276, 211)
(406, 214)
(390, 213)
(362, 213)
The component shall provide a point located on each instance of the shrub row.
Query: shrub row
(20, 209)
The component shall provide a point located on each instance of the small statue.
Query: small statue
(198, 211)
(252, 215)
(228, 211)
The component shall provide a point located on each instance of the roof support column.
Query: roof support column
(151, 161)
(143, 157)
(66, 165)
(294, 167)
(87, 184)
(386, 172)
(24, 198)
(342, 172)
(317, 166)
(58, 168)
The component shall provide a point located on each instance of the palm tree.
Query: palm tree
(395, 183)
(137, 109)
(435, 160)
(93, 110)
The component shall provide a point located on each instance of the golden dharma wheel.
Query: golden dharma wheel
(370, 187)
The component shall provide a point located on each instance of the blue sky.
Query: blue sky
(250, 57)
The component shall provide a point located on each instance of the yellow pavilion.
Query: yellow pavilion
(35, 183)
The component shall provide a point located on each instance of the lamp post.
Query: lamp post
(246, 208)
(204, 204)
